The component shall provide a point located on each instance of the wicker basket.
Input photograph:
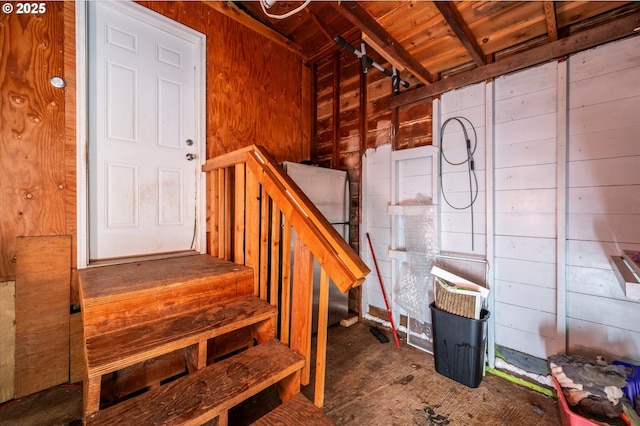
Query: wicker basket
(458, 303)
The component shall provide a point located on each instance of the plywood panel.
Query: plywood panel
(8, 336)
(33, 183)
(76, 349)
(42, 313)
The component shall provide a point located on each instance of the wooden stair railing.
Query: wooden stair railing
(255, 209)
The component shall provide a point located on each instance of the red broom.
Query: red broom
(384, 294)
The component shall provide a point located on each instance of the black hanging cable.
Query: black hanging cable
(473, 193)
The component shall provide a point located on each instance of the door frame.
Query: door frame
(82, 116)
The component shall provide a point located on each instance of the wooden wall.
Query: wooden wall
(254, 95)
(603, 197)
(33, 167)
(525, 191)
(352, 115)
(558, 165)
(37, 188)
(254, 86)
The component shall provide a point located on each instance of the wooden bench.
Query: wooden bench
(211, 391)
(115, 350)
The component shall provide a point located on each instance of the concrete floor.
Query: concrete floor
(367, 383)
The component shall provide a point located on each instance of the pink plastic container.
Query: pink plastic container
(568, 417)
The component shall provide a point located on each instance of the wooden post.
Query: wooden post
(221, 213)
(239, 211)
(196, 356)
(228, 213)
(264, 245)
(301, 305)
(275, 255)
(214, 203)
(253, 228)
(335, 150)
(289, 386)
(91, 391)
(285, 293)
(321, 348)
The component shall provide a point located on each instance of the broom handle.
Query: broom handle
(384, 294)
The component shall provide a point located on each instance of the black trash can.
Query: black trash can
(459, 345)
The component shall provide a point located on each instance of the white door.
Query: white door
(143, 133)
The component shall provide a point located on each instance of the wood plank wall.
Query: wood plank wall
(525, 209)
(254, 86)
(33, 171)
(562, 199)
(340, 125)
(254, 95)
(603, 197)
(37, 177)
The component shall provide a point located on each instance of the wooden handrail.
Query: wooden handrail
(255, 209)
(334, 254)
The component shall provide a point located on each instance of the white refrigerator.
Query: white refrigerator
(328, 189)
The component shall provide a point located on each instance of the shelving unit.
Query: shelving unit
(413, 171)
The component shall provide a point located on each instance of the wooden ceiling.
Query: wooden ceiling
(432, 41)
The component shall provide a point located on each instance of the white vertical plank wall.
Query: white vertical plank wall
(455, 225)
(376, 196)
(603, 198)
(525, 210)
(564, 185)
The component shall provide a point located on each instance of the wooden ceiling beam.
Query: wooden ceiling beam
(318, 24)
(451, 14)
(549, 9)
(233, 12)
(614, 30)
(368, 25)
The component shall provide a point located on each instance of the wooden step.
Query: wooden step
(188, 331)
(296, 411)
(119, 296)
(209, 392)
(139, 343)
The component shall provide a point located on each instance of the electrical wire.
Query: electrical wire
(266, 4)
(471, 149)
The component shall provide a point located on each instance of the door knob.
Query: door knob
(191, 157)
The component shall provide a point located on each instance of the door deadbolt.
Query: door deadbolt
(191, 157)
(189, 142)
